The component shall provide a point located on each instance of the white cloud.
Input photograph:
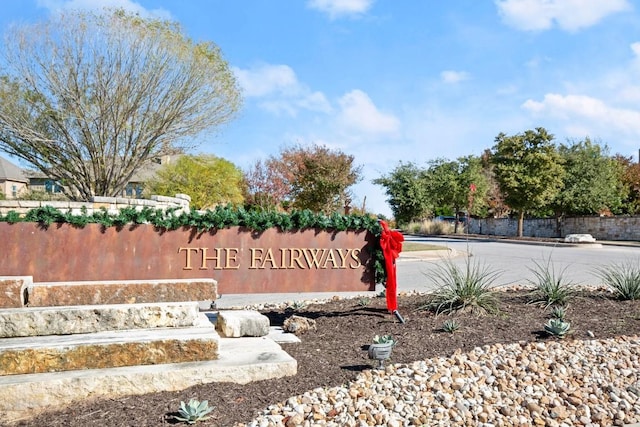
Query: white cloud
(581, 112)
(360, 113)
(128, 5)
(266, 79)
(337, 8)
(279, 89)
(452, 77)
(569, 15)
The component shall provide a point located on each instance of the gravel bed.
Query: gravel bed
(554, 383)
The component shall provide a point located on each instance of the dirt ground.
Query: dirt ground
(337, 351)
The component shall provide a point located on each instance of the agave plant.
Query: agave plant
(193, 411)
(468, 288)
(450, 325)
(550, 286)
(559, 312)
(383, 339)
(558, 328)
(623, 279)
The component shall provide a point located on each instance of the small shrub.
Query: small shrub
(551, 288)
(383, 339)
(466, 289)
(559, 312)
(450, 325)
(364, 301)
(193, 411)
(623, 279)
(558, 328)
(297, 305)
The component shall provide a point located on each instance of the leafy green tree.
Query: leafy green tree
(592, 182)
(406, 191)
(528, 169)
(456, 185)
(89, 99)
(207, 179)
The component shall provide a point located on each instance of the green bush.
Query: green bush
(466, 289)
(550, 287)
(623, 279)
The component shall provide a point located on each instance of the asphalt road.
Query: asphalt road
(512, 262)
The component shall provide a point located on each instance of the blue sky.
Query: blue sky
(409, 80)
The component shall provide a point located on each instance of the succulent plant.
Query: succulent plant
(559, 312)
(450, 325)
(364, 301)
(558, 328)
(383, 339)
(193, 411)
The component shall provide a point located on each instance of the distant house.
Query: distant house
(13, 180)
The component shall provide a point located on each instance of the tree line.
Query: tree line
(522, 174)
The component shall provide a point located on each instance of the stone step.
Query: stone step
(242, 323)
(46, 294)
(240, 360)
(55, 353)
(84, 319)
(12, 290)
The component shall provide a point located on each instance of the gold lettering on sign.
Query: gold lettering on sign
(354, 256)
(263, 258)
(296, 258)
(215, 258)
(187, 264)
(229, 258)
(330, 257)
(314, 261)
(255, 257)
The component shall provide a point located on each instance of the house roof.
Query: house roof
(11, 172)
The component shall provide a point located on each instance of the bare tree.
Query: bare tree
(89, 98)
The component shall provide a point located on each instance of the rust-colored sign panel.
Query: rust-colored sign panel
(240, 260)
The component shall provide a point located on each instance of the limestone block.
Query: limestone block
(107, 350)
(36, 321)
(120, 292)
(240, 361)
(298, 324)
(12, 290)
(242, 323)
(579, 238)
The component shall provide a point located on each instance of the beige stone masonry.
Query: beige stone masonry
(240, 361)
(38, 321)
(12, 290)
(120, 292)
(242, 323)
(107, 350)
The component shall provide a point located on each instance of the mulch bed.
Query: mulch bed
(335, 353)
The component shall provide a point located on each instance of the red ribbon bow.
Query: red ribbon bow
(391, 244)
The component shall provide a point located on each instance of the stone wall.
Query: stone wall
(112, 204)
(602, 228)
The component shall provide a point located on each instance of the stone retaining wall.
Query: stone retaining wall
(111, 204)
(602, 228)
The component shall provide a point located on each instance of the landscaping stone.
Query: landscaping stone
(107, 350)
(12, 290)
(120, 292)
(298, 324)
(242, 323)
(35, 321)
(579, 238)
(240, 361)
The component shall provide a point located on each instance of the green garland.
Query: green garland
(218, 218)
